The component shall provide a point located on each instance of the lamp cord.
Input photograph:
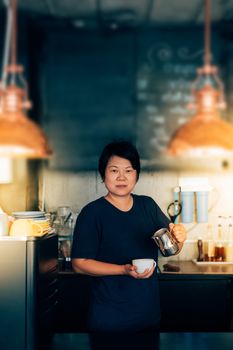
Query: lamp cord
(207, 56)
(13, 33)
(6, 50)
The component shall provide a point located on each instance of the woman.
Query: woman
(112, 231)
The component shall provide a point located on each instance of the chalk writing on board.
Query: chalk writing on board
(163, 92)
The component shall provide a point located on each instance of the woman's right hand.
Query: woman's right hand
(131, 270)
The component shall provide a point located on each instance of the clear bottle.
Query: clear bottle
(229, 245)
(219, 254)
(210, 244)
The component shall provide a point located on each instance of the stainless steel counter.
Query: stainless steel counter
(26, 238)
(28, 289)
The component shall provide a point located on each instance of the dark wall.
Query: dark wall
(87, 93)
(92, 86)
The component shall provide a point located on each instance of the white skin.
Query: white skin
(120, 179)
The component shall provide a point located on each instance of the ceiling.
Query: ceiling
(128, 12)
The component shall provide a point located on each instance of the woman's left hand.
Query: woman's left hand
(178, 231)
(131, 270)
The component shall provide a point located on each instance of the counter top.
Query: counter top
(191, 268)
(178, 268)
(27, 238)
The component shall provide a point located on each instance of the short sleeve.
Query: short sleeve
(86, 236)
(159, 218)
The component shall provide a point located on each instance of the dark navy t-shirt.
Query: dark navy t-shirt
(105, 233)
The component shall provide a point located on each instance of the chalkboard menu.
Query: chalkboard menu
(134, 84)
(166, 68)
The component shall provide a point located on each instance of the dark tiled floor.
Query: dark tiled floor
(104, 342)
(168, 341)
(70, 341)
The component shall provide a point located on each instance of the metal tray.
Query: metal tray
(212, 262)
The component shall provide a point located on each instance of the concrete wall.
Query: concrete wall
(77, 189)
(14, 195)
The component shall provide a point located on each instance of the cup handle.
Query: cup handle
(40, 227)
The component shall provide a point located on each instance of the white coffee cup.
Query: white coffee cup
(143, 264)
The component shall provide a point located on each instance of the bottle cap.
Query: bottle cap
(177, 189)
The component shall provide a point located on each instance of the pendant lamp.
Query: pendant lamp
(205, 134)
(19, 136)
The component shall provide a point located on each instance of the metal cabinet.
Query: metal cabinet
(28, 290)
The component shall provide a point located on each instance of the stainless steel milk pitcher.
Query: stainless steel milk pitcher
(166, 242)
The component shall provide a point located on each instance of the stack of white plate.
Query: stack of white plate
(29, 215)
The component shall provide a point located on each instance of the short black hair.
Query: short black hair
(123, 149)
